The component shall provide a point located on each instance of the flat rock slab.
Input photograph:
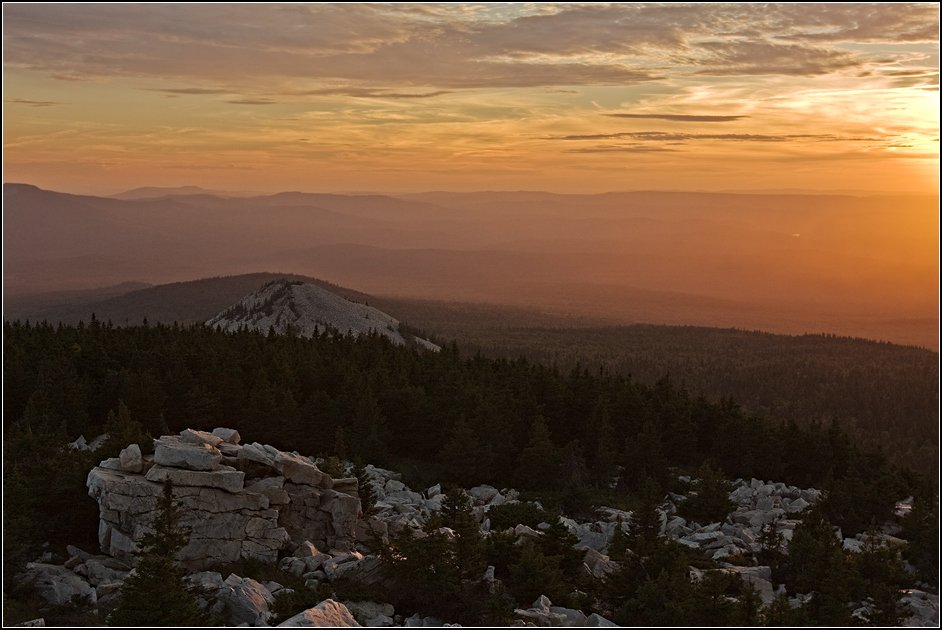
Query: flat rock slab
(226, 478)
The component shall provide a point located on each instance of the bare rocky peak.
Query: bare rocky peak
(306, 309)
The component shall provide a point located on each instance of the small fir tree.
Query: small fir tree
(156, 595)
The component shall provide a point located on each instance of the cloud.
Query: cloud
(397, 51)
(362, 92)
(750, 57)
(193, 91)
(32, 103)
(252, 101)
(665, 136)
(681, 117)
(622, 148)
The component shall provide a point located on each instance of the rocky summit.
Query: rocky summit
(238, 501)
(306, 309)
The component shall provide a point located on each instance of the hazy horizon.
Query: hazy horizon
(762, 166)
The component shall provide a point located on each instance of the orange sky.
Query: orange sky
(567, 98)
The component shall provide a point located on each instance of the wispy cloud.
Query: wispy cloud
(190, 90)
(681, 117)
(364, 92)
(564, 46)
(252, 101)
(665, 136)
(622, 148)
(32, 103)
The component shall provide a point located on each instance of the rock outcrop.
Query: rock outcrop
(327, 614)
(238, 501)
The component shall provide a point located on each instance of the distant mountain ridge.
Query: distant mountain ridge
(155, 192)
(305, 309)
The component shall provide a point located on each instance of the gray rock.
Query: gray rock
(924, 607)
(225, 478)
(171, 451)
(229, 450)
(206, 581)
(301, 470)
(598, 621)
(327, 614)
(394, 486)
(367, 570)
(572, 618)
(32, 623)
(228, 520)
(271, 487)
(57, 585)
(371, 614)
(192, 436)
(525, 531)
(315, 562)
(347, 485)
(797, 505)
(597, 564)
(417, 621)
(98, 441)
(380, 621)
(246, 601)
(229, 436)
(97, 573)
(764, 504)
(79, 444)
(293, 566)
(131, 460)
(483, 494)
(112, 463)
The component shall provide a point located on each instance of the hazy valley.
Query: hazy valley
(782, 263)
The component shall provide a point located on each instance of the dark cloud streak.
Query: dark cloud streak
(32, 103)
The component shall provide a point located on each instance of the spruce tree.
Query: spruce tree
(156, 595)
(458, 515)
(365, 489)
(538, 465)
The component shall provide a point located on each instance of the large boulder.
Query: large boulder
(327, 614)
(57, 585)
(246, 601)
(371, 614)
(230, 436)
(172, 451)
(598, 565)
(297, 469)
(131, 459)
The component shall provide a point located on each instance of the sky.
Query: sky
(396, 98)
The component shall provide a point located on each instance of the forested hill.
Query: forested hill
(884, 395)
(442, 415)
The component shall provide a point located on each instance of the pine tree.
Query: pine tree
(365, 489)
(538, 466)
(644, 458)
(646, 520)
(711, 503)
(156, 595)
(457, 514)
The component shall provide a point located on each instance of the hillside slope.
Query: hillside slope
(304, 309)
